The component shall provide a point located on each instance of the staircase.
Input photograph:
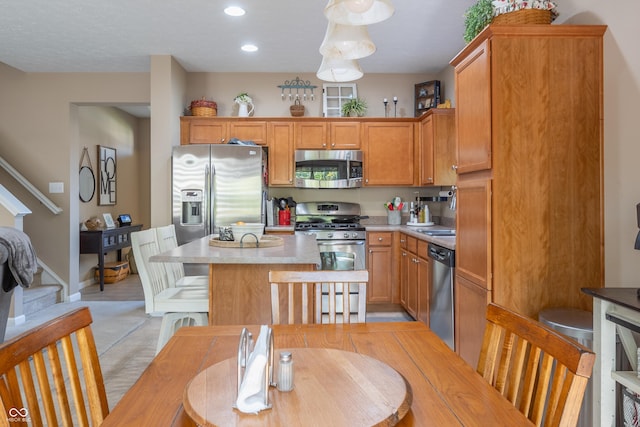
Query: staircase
(38, 297)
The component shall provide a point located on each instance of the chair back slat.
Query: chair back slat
(304, 290)
(153, 275)
(167, 240)
(541, 372)
(55, 367)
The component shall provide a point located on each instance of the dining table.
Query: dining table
(445, 390)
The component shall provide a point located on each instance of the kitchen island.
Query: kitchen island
(239, 291)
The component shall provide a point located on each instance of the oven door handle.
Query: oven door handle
(340, 242)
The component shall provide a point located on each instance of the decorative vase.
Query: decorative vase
(244, 110)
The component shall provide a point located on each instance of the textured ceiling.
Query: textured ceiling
(121, 35)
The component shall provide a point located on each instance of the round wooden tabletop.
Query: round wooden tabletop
(331, 388)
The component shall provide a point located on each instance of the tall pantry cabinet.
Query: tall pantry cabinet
(529, 111)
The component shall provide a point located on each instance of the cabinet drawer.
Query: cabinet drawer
(412, 244)
(379, 238)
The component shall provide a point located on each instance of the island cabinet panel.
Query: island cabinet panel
(438, 147)
(281, 154)
(529, 217)
(389, 153)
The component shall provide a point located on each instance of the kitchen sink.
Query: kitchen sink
(438, 232)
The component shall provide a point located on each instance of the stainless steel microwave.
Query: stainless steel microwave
(328, 168)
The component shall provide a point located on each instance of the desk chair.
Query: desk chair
(180, 306)
(51, 374)
(167, 240)
(543, 373)
(306, 287)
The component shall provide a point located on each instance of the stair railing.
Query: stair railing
(30, 187)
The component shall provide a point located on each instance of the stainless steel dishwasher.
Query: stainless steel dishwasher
(441, 316)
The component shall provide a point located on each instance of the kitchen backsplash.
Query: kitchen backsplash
(372, 201)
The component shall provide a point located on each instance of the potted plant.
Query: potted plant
(243, 98)
(476, 18)
(355, 107)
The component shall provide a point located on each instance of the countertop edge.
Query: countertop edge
(444, 241)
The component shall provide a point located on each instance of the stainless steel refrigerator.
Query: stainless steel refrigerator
(215, 185)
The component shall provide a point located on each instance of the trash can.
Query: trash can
(578, 325)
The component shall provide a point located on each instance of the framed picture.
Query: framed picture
(106, 175)
(108, 220)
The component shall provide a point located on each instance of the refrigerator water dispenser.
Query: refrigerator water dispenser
(191, 207)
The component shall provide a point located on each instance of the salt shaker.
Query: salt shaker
(285, 372)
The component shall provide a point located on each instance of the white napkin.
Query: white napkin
(253, 387)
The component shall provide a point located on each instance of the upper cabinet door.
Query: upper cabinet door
(389, 153)
(473, 110)
(311, 135)
(249, 131)
(344, 135)
(202, 130)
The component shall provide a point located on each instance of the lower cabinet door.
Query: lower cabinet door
(470, 316)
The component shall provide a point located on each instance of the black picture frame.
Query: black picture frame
(107, 174)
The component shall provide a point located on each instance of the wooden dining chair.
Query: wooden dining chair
(179, 306)
(305, 287)
(542, 372)
(51, 375)
(167, 240)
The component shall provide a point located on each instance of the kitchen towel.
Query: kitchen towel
(251, 396)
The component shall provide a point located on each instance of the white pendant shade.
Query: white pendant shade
(358, 12)
(346, 42)
(339, 70)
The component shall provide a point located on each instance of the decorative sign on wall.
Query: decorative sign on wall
(106, 175)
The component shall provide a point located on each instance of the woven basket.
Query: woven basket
(202, 107)
(204, 111)
(297, 109)
(114, 271)
(523, 16)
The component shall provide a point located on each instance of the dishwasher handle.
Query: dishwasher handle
(441, 254)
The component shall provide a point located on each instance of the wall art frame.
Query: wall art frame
(107, 168)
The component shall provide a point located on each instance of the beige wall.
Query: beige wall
(39, 136)
(113, 128)
(39, 131)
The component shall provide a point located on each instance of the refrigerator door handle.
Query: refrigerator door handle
(207, 209)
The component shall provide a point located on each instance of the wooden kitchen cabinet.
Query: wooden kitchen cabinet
(424, 282)
(389, 153)
(438, 147)
(529, 110)
(218, 130)
(414, 278)
(332, 135)
(281, 154)
(380, 265)
(470, 318)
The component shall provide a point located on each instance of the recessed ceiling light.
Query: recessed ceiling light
(249, 48)
(234, 11)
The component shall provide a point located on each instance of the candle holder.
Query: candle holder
(395, 104)
(385, 102)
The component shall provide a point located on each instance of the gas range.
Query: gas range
(330, 220)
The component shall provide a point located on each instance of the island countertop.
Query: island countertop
(295, 250)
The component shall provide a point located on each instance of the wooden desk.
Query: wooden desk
(446, 391)
(102, 241)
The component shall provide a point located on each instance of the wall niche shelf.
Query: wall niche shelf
(427, 95)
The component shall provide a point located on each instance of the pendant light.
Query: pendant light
(358, 12)
(339, 70)
(347, 42)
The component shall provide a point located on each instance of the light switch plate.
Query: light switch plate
(56, 187)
